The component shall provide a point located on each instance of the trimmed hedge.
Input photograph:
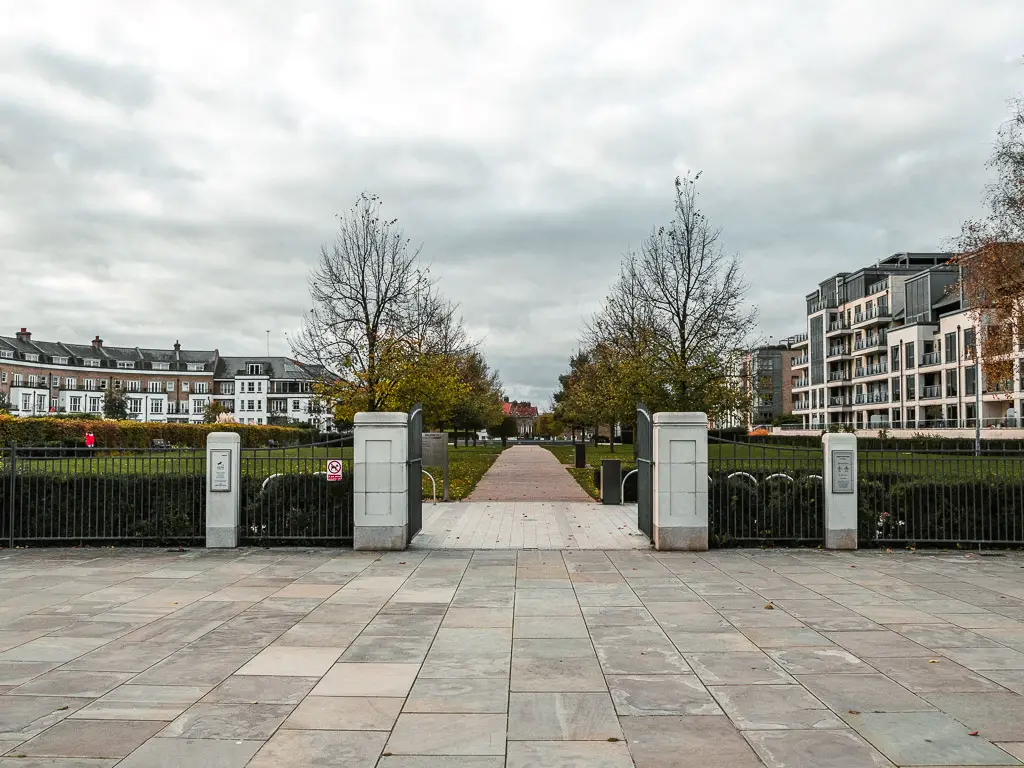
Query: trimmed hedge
(55, 432)
(171, 509)
(110, 508)
(896, 510)
(770, 512)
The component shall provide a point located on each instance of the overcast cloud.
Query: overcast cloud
(168, 170)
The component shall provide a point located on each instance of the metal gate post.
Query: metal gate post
(11, 491)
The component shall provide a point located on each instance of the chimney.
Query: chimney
(97, 343)
(177, 350)
(23, 335)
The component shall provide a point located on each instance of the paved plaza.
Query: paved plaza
(484, 659)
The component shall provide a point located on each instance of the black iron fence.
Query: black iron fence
(942, 495)
(764, 494)
(80, 495)
(68, 495)
(294, 495)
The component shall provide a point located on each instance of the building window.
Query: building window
(252, 386)
(17, 380)
(53, 403)
(951, 381)
(951, 347)
(156, 406)
(196, 367)
(32, 358)
(26, 402)
(134, 405)
(255, 369)
(124, 364)
(60, 361)
(103, 383)
(184, 386)
(909, 355)
(76, 404)
(295, 405)
(252, 405)
(154, 387)
(3, 377)
(95, 405)
(133, 386)
(161, 366)
(970, 380)
(969, 336)
(895, 388)
(894, 353)
(201, 388)
(7, 354)
(170, 386)
(91, 362)
(90, 384)
(259, 420)
(911, 381)
(32, 379)
(70, 382)
(227, 387)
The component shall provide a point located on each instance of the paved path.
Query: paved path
(295, 658)
(529, 525)
(528, 473)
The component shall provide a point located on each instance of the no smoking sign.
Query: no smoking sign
(334, 470)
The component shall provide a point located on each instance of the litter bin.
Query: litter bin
(581, 455)
(611, 481)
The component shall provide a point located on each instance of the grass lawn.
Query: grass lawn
(466, 464)
(566, 454)
(465, 468)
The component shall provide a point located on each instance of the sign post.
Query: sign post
(840, 465)
(334, 470)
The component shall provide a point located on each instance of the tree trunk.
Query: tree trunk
(611, 437)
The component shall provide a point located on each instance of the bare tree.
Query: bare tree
(371, 301)
(678, 313)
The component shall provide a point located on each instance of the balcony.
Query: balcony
(931, 358)
(801, 383)
(931, 393)
(868, 398)
(871, 370)
(838, 328)
(817, 306)
(840, 402)
(801, 405)
(875, 316)
(838, 352)
(800, 362)
(838, 376)
(797, 340)
(878, 287)
(870, 342)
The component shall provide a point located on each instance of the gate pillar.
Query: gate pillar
(840, 490)
(380, 483)
(223, 489)
(680, 481)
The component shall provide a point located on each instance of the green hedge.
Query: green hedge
(896, 510)
(110, 508)
(54, 432)
(774, 511)
(170, 509)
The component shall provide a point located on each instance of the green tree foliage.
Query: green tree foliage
(115, 404)
(5, 403)
(508, 427)
(213, 409)
(548, 426)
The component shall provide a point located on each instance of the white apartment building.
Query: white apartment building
(265, 390)
(161, 385)
(891, 347)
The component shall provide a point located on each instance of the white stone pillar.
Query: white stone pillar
(223, 489)
(680, 481)
(840, 490)
(381, 501)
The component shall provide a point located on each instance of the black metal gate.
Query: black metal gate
(644, 446)
(415, 467)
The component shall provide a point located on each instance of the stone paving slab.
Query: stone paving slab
(487, 658)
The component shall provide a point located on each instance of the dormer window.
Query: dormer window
(60, 361)
(125, 364)
(196, 367)
(161, 366)
(255, 369)
(91, 362)
(32, 358)
(6, 354)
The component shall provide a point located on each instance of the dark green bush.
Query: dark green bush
(296, 509)
(772, 511)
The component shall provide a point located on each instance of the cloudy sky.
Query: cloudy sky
(168, 170)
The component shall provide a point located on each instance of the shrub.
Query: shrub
(296, 509)
(51, 432)
(154, 509)
(772, 510)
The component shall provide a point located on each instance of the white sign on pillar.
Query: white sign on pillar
(380, 481)
(223, 489)
(680, 481)
(840, 490)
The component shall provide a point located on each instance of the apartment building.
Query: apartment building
(766, 375)
(891, 347)
(265, 390)
(163, 385)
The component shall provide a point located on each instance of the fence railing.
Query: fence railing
(64, 495)
(287, 497)
(764, 494)
(942, 495)
(61, 495)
